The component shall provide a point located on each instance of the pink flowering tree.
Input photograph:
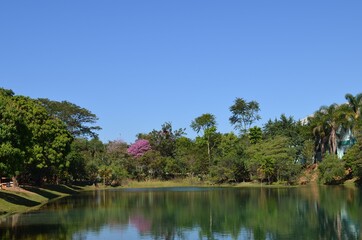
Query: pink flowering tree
(139, 148)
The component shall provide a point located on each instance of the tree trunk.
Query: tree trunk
(15, 181)
(209, 151)
(333, 142)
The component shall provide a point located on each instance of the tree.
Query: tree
(139, 148)
(32, 141)
(244, 114)
(355, 104)
(190, 157)
(325, 124)
(15, 136)
(255, 135)
(353, 158)
(331, 170)
(296, 133)
(272, 159)
(285, 126)
(203, 122)
(164, 140)
(355, 108)
(6, 92)
(77, 166)
(207, 124)
(229, 166)
(308, 153)
(117, 161)
(79, 121)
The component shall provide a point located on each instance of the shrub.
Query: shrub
(331, 170)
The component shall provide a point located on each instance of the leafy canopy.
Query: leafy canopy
(244, 114)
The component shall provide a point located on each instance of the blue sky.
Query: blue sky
(137, 64)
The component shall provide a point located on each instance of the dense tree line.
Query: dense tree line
(48, 141)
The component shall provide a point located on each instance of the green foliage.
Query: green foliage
(229, 163)
(272, 160)
(31, 140)
(149, 165)
(164, 140)
(36, 143)
(191, 156)
(325, 123)
(207, 124)
(205, 121)
(296, 133)
(353, 158)
(244, 114)
(6, 92)
(355, 105)
(285, 126)
(331, 169)
(223, 172)
(308, 152)
(255, 135)
(15, 136)
(78, 120)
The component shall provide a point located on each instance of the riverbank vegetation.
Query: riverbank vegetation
(49, 142)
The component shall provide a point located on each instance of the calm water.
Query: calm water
(196, 213)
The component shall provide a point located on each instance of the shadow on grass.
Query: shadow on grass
(60, 188)
(17, 199)
(82, 183)
(75, 187)
(41, 192)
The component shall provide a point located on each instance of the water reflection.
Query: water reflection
(310, 212)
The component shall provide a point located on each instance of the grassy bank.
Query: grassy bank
(16, 200)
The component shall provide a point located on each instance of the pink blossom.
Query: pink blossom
(139, 148)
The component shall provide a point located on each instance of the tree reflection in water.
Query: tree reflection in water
(310, 212)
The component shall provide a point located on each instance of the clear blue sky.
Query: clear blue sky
(137, 64)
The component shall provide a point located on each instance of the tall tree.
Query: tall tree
(244, 114)
(79, 121)
(355, 103)
(207, 124)
(32, 140)
(325, 124)
(15, 136)
(355, 108)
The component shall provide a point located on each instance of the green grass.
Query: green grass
(30, 197)
(13, 202)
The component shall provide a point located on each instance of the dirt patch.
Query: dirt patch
(310, 175)
(16, 189)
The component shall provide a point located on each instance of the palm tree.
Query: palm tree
(355, 104)
(355, 108)
(336, 116)
(318, 127)
(326, 122)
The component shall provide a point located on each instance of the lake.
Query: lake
(310, 212)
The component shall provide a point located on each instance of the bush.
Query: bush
(331, 170)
